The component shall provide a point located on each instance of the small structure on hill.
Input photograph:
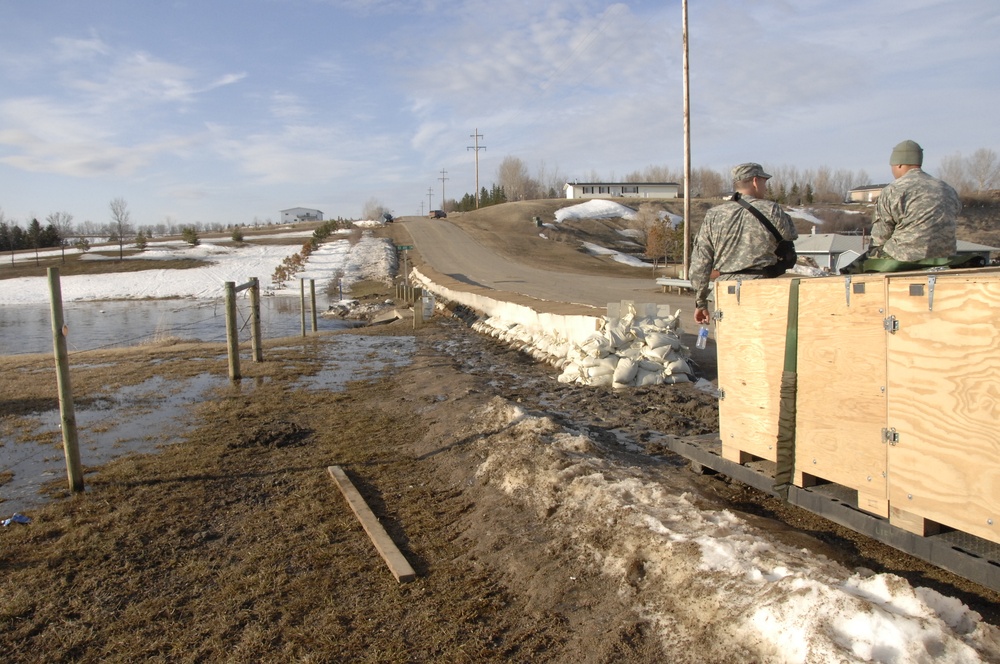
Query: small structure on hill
(866, 194)
(622, 189)
(297, 214)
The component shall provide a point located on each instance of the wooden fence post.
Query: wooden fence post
(302, 304)
(312, 299)
(232, 334)
(255, 339)
(67, 414)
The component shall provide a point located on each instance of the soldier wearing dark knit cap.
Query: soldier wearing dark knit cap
(915, 216)
(733, 242)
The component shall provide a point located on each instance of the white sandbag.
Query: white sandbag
(678, 366)
(660, 339)
(650, 365)
(600, 381)
(646, 377)
(657, 353)
(625, 371)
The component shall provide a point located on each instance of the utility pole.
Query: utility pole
(477, 148)
(443, 178)
(687, 148)
(421, 208)
(430, 192)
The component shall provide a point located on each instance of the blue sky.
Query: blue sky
(225, 110)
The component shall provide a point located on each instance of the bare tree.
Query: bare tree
(984, 170)
(512, 175)
(121, 226)
(63, 223)
(374, 209)
(952, 171)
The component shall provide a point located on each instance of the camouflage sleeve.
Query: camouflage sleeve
(883, 223)
(702, 258)
(783, 223)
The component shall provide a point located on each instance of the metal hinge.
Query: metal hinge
(891, 324)
(722, 393)
(717, 315)
(890, 436)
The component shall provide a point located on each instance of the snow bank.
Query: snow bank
(689, 569)
(595, 209)
(368, 258)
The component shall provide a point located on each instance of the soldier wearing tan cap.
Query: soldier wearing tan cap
(733, 242)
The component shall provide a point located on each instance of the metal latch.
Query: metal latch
(722, 393)
(890, 436)
(891, 324)
(717, 314)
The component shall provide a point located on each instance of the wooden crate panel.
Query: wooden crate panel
(751, 350)
(840, 404)
(943, 375)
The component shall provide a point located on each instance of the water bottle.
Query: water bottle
(702, 338)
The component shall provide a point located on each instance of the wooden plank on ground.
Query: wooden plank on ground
(397, 563)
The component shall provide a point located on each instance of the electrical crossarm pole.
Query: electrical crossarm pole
(443, 178)
(477, 147)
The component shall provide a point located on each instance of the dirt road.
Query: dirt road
(454, 252)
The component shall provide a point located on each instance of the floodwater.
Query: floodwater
(141, 418)
(92, 325)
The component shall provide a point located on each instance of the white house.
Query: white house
(622, 189)
(293, 215)
(866, 194)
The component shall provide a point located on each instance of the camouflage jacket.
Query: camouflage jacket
(731, 240)
(915, 218)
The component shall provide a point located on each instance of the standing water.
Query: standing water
(28, 329)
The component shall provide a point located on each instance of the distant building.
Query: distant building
(293, 215)
(622, 189)
(833, 251)
(866, 194)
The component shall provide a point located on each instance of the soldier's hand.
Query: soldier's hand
(701, 316)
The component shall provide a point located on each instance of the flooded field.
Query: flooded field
(134, 403)
(28, 328)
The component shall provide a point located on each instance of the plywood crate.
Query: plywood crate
(841, 386)
(943, 401)
(750, 338)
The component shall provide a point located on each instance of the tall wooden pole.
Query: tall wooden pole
(232, 333)
(312, 302)
(67, 414)
(302, 304)
(255, 340)
(687, 148)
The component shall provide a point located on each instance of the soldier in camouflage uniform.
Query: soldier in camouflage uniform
(915, 215)
(733, 241)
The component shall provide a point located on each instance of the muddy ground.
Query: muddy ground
(233, 544)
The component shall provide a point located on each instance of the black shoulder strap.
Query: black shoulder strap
(760, 215)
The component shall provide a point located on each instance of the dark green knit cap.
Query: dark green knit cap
(907, 152)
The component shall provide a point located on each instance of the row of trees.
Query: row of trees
(60, 232)
(977, 173)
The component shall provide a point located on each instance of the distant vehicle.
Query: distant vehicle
(386, 218)
(437, 214)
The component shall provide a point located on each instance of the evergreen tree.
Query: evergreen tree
(190, 235)
(140, 240)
